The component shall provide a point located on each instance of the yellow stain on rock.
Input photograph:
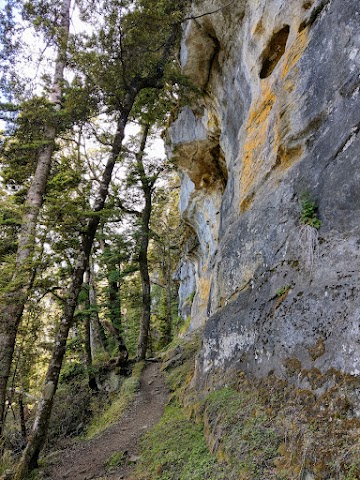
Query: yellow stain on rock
(203, 290)
(268, 123)
(294, 53)
(256, 141)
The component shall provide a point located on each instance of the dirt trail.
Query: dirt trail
(87, 460)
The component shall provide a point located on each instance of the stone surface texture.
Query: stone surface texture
(278, 118)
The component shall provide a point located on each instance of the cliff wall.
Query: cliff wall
(271, 149)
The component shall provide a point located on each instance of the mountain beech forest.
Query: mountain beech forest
(179, 240)
(82, 254)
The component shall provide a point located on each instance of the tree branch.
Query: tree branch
(129, 211)
(195, 17)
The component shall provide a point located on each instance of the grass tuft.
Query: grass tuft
(116, 460)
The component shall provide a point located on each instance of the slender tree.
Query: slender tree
(13, 300)
(97, 332)
(147, 185)
(145, 181)
(113, 277)
(86, 314)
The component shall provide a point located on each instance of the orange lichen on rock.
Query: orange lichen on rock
(268, 128)
(256, 140)
(294, 53)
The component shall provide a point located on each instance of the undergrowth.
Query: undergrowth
(113, 413)
(309, 212)
(175, 449)
(308, 233)
(240, 431)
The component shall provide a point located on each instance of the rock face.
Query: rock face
(278, 120)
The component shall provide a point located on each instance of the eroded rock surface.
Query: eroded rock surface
(278, 119)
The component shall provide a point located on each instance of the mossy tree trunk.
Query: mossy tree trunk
(87, 324)
(97, 332)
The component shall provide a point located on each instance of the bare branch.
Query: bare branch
(195, 17)
(127, 210)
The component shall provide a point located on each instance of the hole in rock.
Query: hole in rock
(302, 26)
(307, 5)
(275, 50)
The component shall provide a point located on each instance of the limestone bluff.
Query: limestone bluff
(278, 118)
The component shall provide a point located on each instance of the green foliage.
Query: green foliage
(308, 214)
(19, 152)
(79, 103)
(72, 406)
(127, 48)
(113, 413)
(175, 449)
(9, 227)
(71, 371)
(282, 291)
(116, 460)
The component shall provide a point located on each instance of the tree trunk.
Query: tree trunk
(113, 298)
(114, 307)
(13, 302)
(87, 324)
(168, 293)
(36, 442)
(145, 285)
(143, 251)
(97, 332)
(22, 417)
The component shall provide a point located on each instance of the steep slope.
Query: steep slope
(268, 154)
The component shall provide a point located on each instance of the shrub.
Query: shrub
(309, 212)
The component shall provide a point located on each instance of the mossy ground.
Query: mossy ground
(257, 428)
(175, 449)
(239, 430)
(179, 375)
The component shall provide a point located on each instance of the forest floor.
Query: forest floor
(112, 455)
